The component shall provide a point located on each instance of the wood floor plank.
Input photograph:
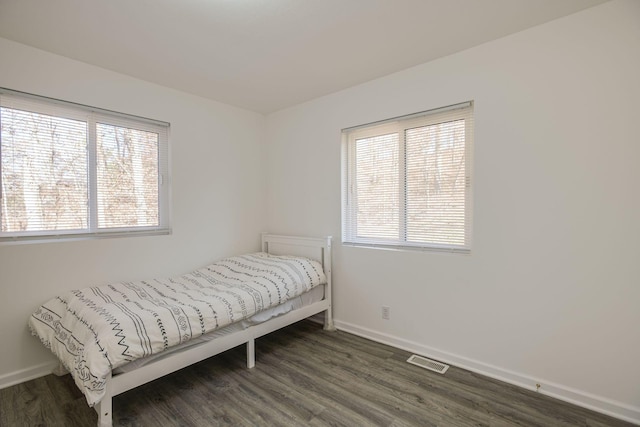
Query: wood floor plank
(394, 399)
(280, 395)
(461, 410)
(304, 376)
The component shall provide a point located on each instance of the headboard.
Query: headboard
(317, 248)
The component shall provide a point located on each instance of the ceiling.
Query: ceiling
(266, 55)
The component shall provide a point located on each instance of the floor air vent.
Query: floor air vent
(429, 364)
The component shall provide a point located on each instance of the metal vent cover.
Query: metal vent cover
(429, 364)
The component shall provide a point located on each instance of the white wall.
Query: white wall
(551, 291)
(217, 206)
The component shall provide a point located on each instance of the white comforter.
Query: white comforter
(97, 329)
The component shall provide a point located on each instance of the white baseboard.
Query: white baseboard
(577, 397)
(23, 375)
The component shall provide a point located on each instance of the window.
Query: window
(68, 170)
(407, 181)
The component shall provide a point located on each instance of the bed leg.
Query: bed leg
(104, 407)
(251, 353)
(328, 320)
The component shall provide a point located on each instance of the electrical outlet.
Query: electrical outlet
(385, 312)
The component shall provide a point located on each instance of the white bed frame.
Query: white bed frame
(314, 248)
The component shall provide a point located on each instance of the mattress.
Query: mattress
(314, 295)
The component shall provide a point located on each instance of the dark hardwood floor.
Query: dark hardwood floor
(304, 376)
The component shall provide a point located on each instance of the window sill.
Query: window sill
(74, 236)
(409, 248)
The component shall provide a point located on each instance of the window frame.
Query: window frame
(400, 125)
(93, 116)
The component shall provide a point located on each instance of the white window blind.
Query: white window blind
(69, 170)
(407, 181)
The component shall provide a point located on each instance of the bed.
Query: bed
(117, 337)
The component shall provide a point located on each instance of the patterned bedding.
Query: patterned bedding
(97, 329)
